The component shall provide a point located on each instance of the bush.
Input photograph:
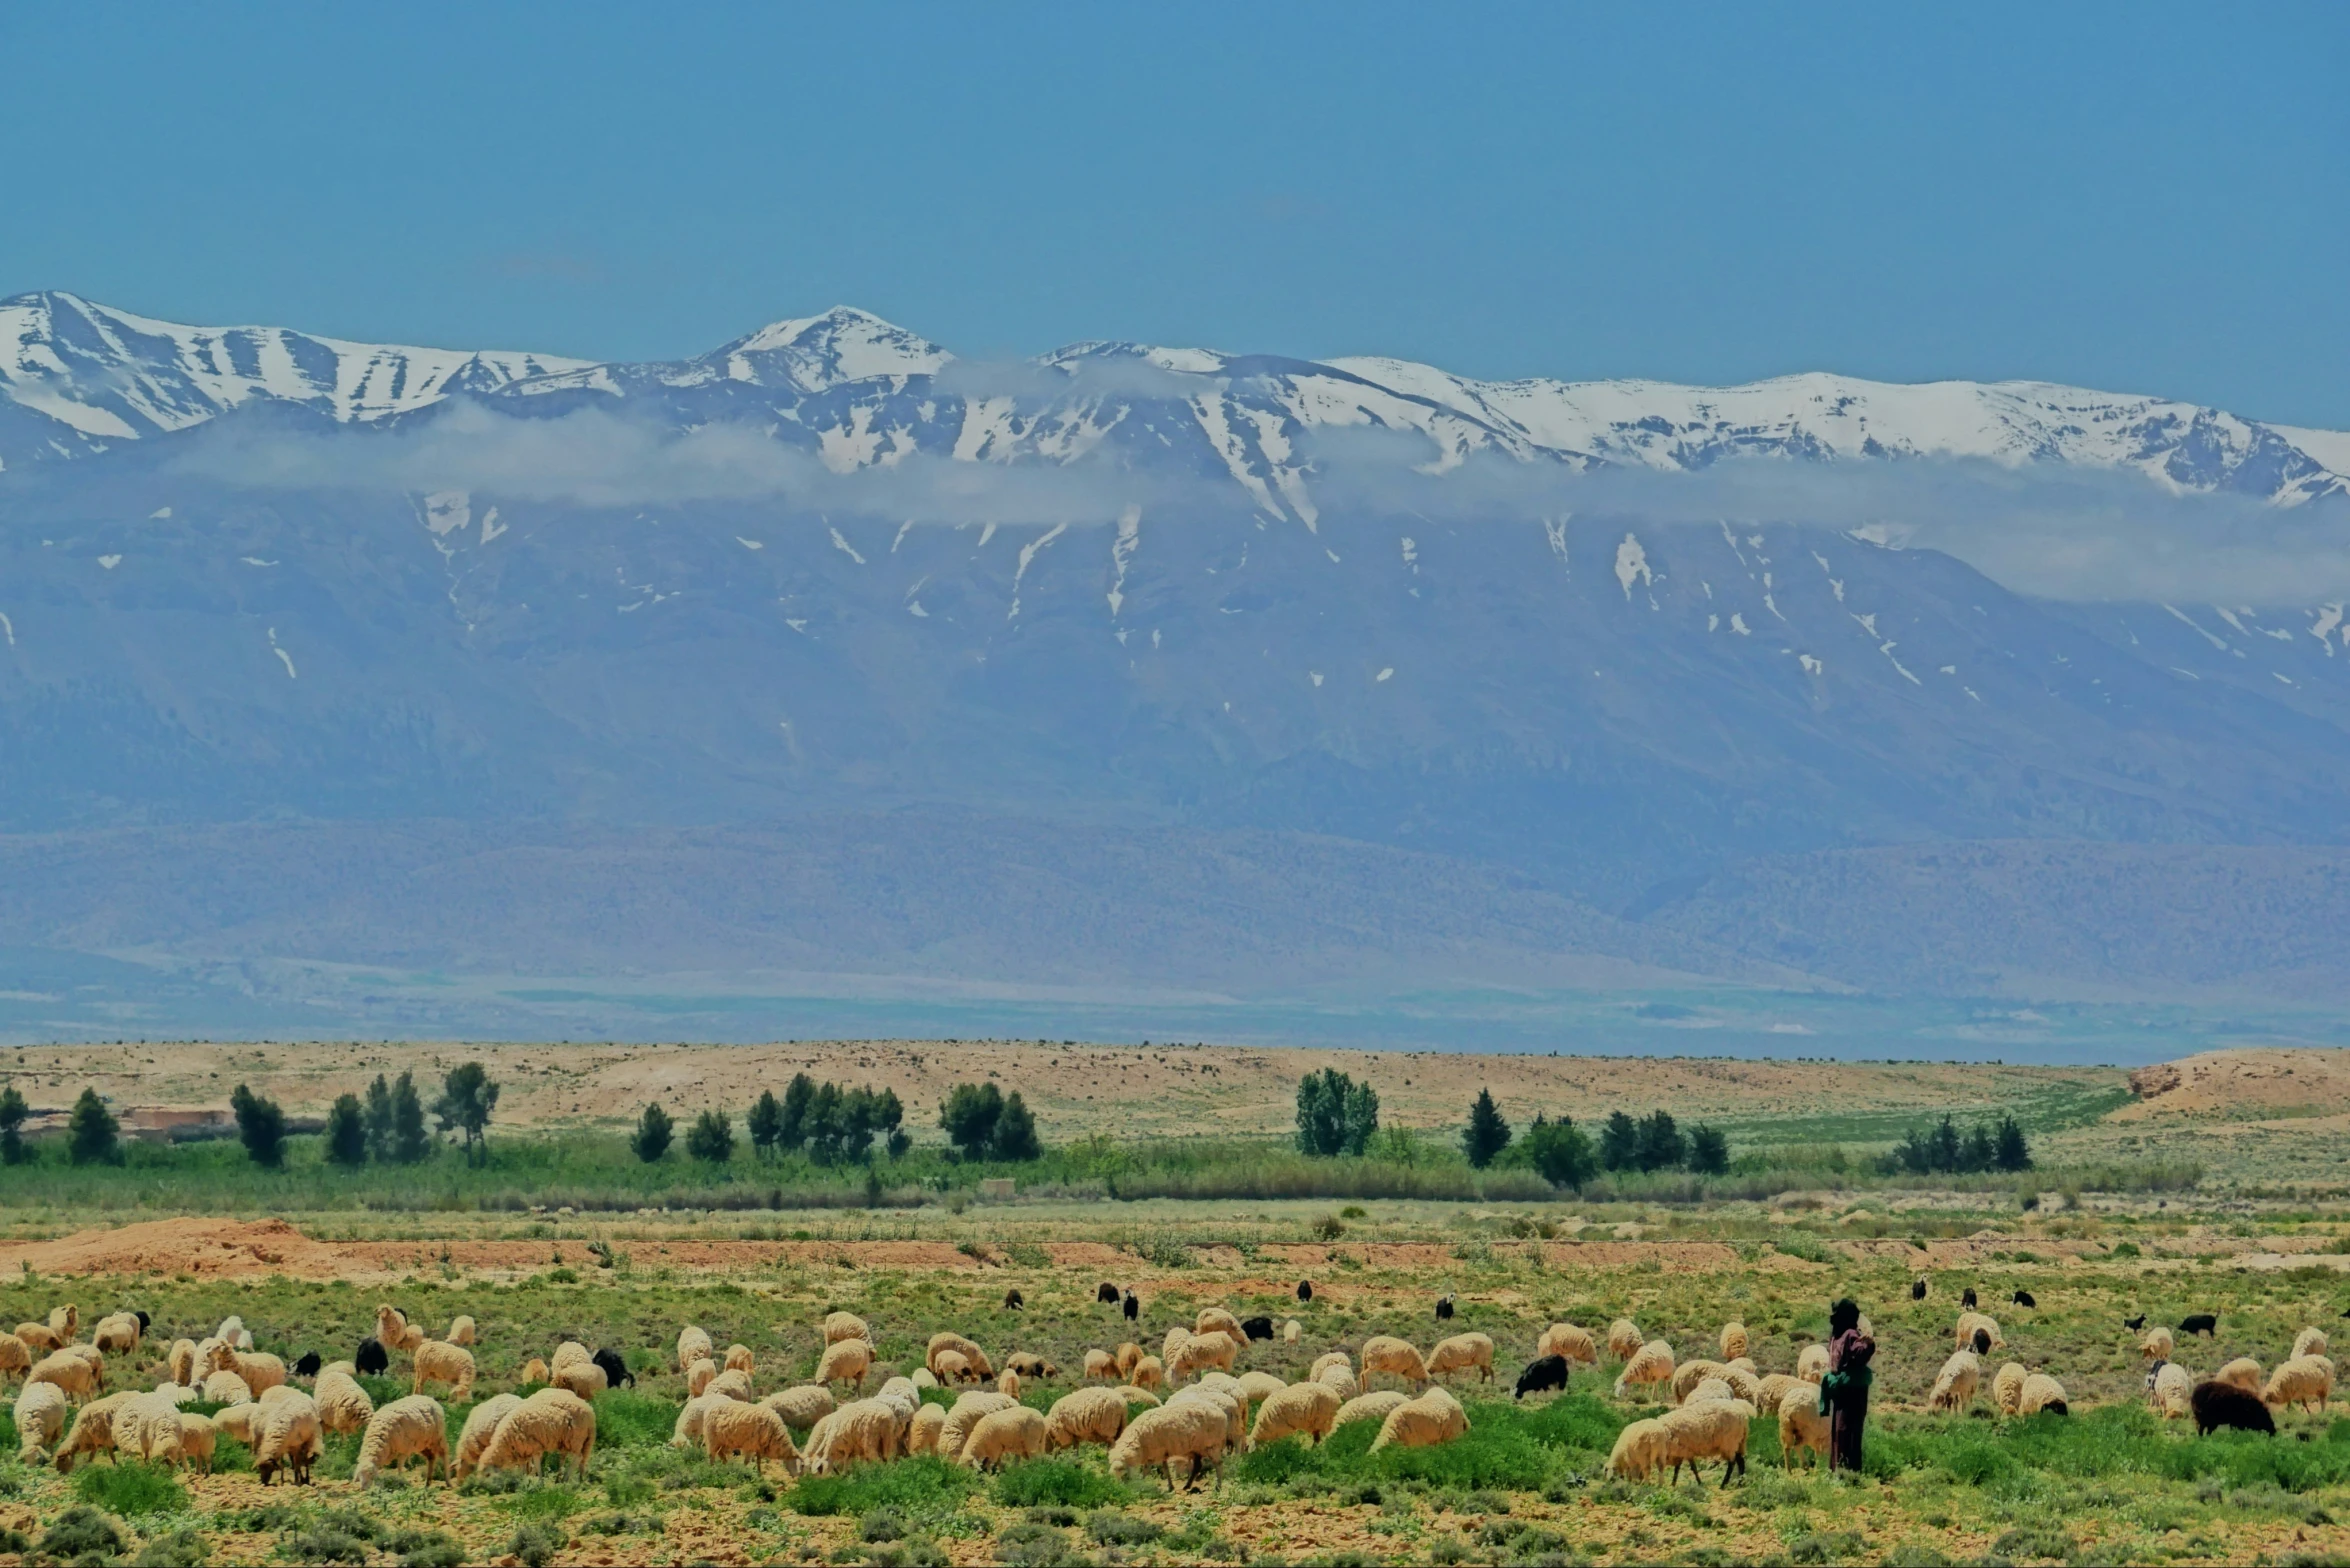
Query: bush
(130, 1489)
(1032, 1483)
(80, 1532)
(1031, 1544)
(426, 1549)
(711, 1139)
(1112, 1528)
(923, 1482)
(536, 1545)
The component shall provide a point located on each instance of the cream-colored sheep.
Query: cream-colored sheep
(1328, 1359)
(2309, 1342)
(232, 1329)
(1710, 1388)
(1811, 1363)
(182, 1361)
(921, 1377)
(1175, 1338)
(1395, 1357)
(1341, 1381)
(1744, 1384)
(2042, 1392)
(1100, 1364)
(922, 1432)
(2304, 1380)
(551, 1421)
(1222, 1382)
(440, 1362)
(739, 1359)
(1955, 1385)
(734, 1385)
(1746, 1365)
(1963, 1337)
(183, 1397)
(1257, 1387)
(38, 1338)
(952, 1368)
(65, 1322)
(462, 1330)
(242, 1422)
(287, 1439)
(70, 1372)
(1003, 1436)
(966, 1414)
(692, 1345)
(845, 1325)
(1733, 1340)
(280, 1394)
(198, 1440)
(117, 1333)
(1772, 1387)
(40, 1420)
(1801, 1425)
(1202, 1351)
(753, 1432)
(1652, 1366)
(583, 1378)
(1570, 1342)
(2243, 1372)
(2007, 1388)
(535, 1371)
(1135, 1396)
(2156, 1344)
(1292, 1331)
(1432, 1418)
(1463, 1353)
(403, 1430)
(1008, 1383)
(1147, 1373)
(687, 1432)
(147, 1428)
(1623, 1340)
(225, 1388)
(343, 1406)
(392, 1330)
(1308, 1410)
(93, 1429)
(1689, 1374)
(1642, 1449)
(481, 1424)
(846, 1361)
(1193, 1435)
(1216, 1320)
(860, 1431)
(1090, 1415)
(698, 1377)
(1129, 1354)
(2172, 1396)
(802, 1407)
(972, 1355)
(571, 1353)
(1228, 1403)
(1369, 1407)
(260, 1370)
(1715, 1429)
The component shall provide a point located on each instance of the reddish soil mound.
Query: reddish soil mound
(186, 1246)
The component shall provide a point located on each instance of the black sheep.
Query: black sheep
(1305, 1292)
(2135, 1324)
(1967, 1297)
(615, 1370)
(1444, 1309)
(1133, 1307)
(308, 1365)
(2023, 1298)
(2200, 1323)
(1257, 1328)
(371, 1358)
(145, 1323)
(1548, 1372)
(1917, 1288)
(1982, 1342)
(1013, 1301)
(1106, 1292)
(2220, 1404)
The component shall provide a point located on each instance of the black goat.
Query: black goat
(2200, 1323)
(1917, 1288)
(1106, 1291)
(2023, 1298)
(2218, 1404)
(1305, 1292)
(2135, 1324)
(145, 1323)
(371, 1358)
(1982, 1342)
(1013, 1301)
(1257, 1328)
(308, 1365)
(1133, 1307)
(1444, 1309)
(615, 1370)
(1967, 1297)
(1548, 1372)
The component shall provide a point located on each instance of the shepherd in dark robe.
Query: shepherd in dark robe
(1844, 1392)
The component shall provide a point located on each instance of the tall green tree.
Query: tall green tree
(1015, 1132)
(379, 1120)
(2012, 1153)
(828, 1124)
(409, 1141)
(346, 1132)
(711, 1138)
(92, 1135)
(1709, 1151)
(13, 1111)
(969, 1115)
(1487, 1134)
(889, 1120)
(798, 1095)
(1981, 1152)
(765, 1123)
(1662, 1147)
(1560, 1152)
(261, 1126)
(1335, 1115)
(468, 1096)
(653, 1131)
(1619, 1142)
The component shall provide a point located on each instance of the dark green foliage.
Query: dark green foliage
(1943, 1150)
(346, 1133)
(1015, 1132)
(92, 1136)
(1335, 1115)
(261, 1126)
(130, 1489)
(1033, 1483)
(1619, 1142)
(467, 1099)
(13, 1111)
(1031, 1544)
(77, 1533)
(626, 1419)
(1487, 1134)
(12, 1540)
(791, 1133)
(426, 1549)
(535, 1545)
(654, 1132)
(711, 1138)
(969, 1114)
(405, 1139)
(922, 1483)
(180, 1549)
(2010, 1152)
(1662, 1147)
(1559, 1152)
(1112, 1528)
(764, 1123)
(1709, 1151)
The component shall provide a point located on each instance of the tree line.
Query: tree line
(1944, 1150)
(836, 1124)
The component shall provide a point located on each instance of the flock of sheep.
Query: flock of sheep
(1179, 1412)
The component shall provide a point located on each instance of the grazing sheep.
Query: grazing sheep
(461, 1330)
(40, 1420)
(1226, 1403)
(693, 1345)
(535, 1371)
(66, 1321)
(752, 1432)
(15, 1355)
(1623, 1340)
(1257, 1387)
(844, 1325)
(862, 1430)
(687, 1430)
(730, 1385)
(1090, 1415)
(1567, 1341)
(1106, 1292)
(922, 1432)
(1257, 1327)
(699, 1376)
(981, 1367)
(1101, 1364)
(392, 1330)
(952, 1368)
(70, 1372)
(738, 1359)
(1190, 1432)
(2156, 1344)
(181, 1359)
(2304, 1380)
(1955, 1384)
(1128, 1354)
(440, 1362)
(2023, 1298)
(1131, 1307)
(2218, 1404)
(1202, 1351)
(1307, 1410)
(1292, 1331)
(1771, 1388)
(1711, 1429)
(1463, 1353)
(1008, 1383)
(1917, 1288)
(1305, 1290)
(242, 1422)
(583, 1378)
(1030, 1365)
(1172, 1343)
(481, 1424)
(1434, 1417)
(93, 1429)
(1369, 1407)
(2135, 1324)
(117, 1333)
(371, 1359)
(2309, 1342)
(2043, 1393)
(1342, 1380)
(1444, 1309)
(1642, 1449)
(401, 1431)
(615, 1370)
(571, 1353)
(2172, 1395)
(1689, 1374)
(198, 1439)
(1966, 1297)
(551, 1421)
(2007, 1388)
(1395, 1357)
(2243, 1373)
(307, 1364)
(225, 1388)
(343, 1406)
(2200, 1323)
(39, 1337)
(1733, 1340)
(1801, 1425)
(1654, 1364)
(261, 1371)
(1216, 1320)
(1544, 1372)
(802, 1407)
(1712, 1388)
(287, 1439)
(1812, 1364)
(1148, 1373)
(965, 1415)
(922, 1378)
(1968, 1322)
(1002, 1436)
(1013, 1300)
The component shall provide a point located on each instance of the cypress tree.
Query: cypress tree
(346, 1133)
(653, 1132)
(1487, 1133)
(92, 1135)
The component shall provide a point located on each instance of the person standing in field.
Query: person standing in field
(1844, 1391)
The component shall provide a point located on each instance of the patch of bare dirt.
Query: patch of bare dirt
(2258, 1082)
(220, 1248)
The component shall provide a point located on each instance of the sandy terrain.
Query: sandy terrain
(2266, 1082)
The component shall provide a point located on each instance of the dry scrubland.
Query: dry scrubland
(2263, 1243)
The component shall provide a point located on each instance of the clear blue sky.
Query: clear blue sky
(2143, 197)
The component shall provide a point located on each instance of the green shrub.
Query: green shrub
(323, 1545)
(180, 1549)
(922, 1483)
(80, 1532)
(426, 1549)
(130, 1490)
(535, 1545)
(1032, 1483)
(625, 1419)
(1031, 1544)
(1112, 1528)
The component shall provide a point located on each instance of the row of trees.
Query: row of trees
(1999, 1146)
(837, 1125)
(1564, 1154)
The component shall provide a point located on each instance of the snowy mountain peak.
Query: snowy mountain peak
(813, 353)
